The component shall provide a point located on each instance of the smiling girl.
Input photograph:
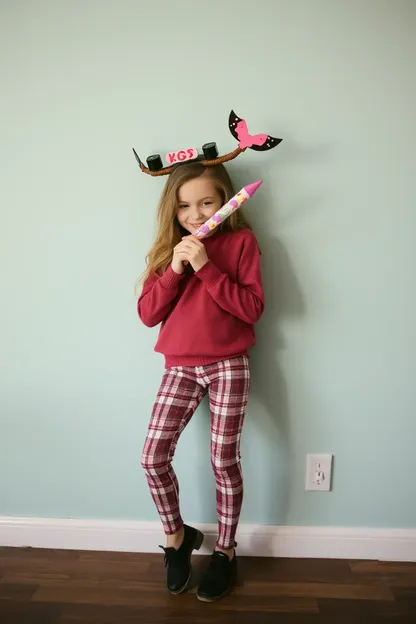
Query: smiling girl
(207, 296)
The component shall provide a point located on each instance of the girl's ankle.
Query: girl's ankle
(175, 540)
(230, 553)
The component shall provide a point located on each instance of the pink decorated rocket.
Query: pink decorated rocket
(231, 206)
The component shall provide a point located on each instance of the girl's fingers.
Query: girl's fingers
(184, 247)
(183, 254)
(194, 242)
(192, 238)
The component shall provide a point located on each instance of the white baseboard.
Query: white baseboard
(253, 540)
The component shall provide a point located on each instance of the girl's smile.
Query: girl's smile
(198, 200)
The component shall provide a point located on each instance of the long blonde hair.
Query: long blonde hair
(169, 231)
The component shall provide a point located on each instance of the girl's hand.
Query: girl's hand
(178, 261)
(191, 250)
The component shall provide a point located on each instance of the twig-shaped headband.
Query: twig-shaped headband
(209, 157)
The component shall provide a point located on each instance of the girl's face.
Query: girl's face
(198, 200)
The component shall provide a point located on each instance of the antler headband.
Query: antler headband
(209, 157)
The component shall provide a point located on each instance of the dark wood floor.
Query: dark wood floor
(70, 587)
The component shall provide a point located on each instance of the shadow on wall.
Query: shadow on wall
(266, 463)
(283, 301)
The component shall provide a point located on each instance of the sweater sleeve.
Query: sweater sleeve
(155, 301)
(244, 298)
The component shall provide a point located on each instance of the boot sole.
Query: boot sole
(204, 599)
(233, 585)
(199, 540)
(215, 598)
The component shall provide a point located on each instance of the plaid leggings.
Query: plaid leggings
(180, 393)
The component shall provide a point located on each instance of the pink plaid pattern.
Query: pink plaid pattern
(180, 393)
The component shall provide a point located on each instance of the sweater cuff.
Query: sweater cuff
(209, 274)
(170, 279)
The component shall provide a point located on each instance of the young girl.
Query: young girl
(207, 296)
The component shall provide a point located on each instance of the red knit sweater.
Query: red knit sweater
(209, 315)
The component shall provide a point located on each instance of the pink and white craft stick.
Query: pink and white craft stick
(231, 206)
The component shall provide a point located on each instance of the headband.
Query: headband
(209, 156)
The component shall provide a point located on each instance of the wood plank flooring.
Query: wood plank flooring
(71, 587)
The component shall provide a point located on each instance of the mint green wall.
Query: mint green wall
(333, 371)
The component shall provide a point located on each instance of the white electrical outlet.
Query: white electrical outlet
(318, 472)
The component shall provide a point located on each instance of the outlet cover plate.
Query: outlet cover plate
(318, 472)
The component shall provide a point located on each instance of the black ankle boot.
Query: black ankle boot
(178, 562)
(219, 577)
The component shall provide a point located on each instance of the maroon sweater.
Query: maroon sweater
(209, 315)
